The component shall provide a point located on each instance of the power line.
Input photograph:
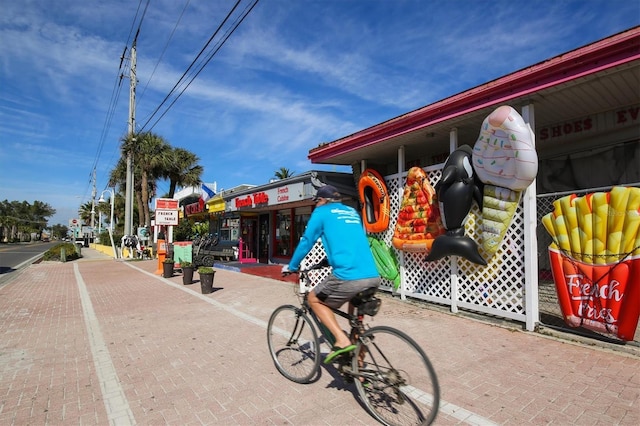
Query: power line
(115, 93)
(210, 56)
(165, 48)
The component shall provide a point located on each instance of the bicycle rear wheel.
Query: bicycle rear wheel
(394, 378)
(293, 344)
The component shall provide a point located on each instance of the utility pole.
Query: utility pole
(128, 208)
(93, 206)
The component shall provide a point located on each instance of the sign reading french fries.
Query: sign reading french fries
(595, 259)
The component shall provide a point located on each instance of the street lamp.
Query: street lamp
(112, 195)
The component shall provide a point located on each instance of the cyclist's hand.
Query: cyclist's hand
(285, 270)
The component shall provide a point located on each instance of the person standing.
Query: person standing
(353, 268)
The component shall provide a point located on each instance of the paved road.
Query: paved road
(100, 341)
(16, 255)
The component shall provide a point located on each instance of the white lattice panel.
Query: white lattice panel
(497, 289)
(314, 257)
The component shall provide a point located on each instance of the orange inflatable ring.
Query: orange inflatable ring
(374, 198)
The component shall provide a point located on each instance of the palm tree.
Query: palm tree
(283, 173)
(117, 180)
(85, 213)
(150, 153)
(182, 169)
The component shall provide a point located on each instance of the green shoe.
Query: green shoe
(338, 351)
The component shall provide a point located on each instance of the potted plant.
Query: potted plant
(187, 272)
(206, 279)
(167, 267)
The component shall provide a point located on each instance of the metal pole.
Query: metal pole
(128, 209)
(113, 246)
(112, 201)
(101, 200)
(93, 208)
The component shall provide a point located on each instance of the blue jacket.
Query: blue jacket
(344, 240)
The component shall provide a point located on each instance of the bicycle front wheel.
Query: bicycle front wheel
(293, 344)
(394, 378)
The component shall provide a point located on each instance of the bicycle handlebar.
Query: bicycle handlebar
(324, 263)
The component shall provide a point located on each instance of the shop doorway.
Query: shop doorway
(249, 237)
(263, 242)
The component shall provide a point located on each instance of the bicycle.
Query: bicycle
(393, 376)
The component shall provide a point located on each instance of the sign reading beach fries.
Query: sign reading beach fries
(595, 259)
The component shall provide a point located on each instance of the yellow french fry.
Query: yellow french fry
(547, 222)
(562, 234)
(618, 198)
(600, 208)
(631, 228)
(585, 223)
(571, 222)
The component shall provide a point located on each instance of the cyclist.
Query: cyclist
(348, 253)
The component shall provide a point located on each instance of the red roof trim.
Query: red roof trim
(601, 55)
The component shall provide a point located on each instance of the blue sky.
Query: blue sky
(293, 75)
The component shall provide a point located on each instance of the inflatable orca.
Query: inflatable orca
(456, 190)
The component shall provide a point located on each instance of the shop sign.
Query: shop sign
(166, 204)
(194, 208)
(167, 217)
(216, 205)
(252, 200)
(601, 122)
(270, 197)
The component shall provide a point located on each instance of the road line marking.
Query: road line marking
(452, 410)
(115, 400)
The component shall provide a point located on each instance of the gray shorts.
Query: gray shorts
(334, 292)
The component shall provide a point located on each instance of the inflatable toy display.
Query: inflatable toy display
(456, 190)
(419, 217)
(595, 259)
(386, 261)
(374, 198)
(505, 160)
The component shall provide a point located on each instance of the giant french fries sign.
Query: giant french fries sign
(595, 259)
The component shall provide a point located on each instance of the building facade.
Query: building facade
(584, 108)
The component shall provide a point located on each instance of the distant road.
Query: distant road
(15, 256)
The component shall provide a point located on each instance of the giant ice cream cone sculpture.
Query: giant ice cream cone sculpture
(505, 160)
(595, 259)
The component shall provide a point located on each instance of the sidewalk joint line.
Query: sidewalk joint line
(115, 400)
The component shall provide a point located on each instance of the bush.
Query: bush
(54, 252)
(205, 270)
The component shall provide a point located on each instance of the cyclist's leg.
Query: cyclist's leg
(329, 320)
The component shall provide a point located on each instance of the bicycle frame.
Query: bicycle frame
(393, 376)
(355, 321)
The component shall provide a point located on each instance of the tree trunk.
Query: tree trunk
(140, 212)
(144, 206)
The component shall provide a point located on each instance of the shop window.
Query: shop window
(283, 233)
(301, 219)
(594, 168)
(230, 229)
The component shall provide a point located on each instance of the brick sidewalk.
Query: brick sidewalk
(99, 341)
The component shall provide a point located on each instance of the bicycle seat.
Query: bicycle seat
(366, 302)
